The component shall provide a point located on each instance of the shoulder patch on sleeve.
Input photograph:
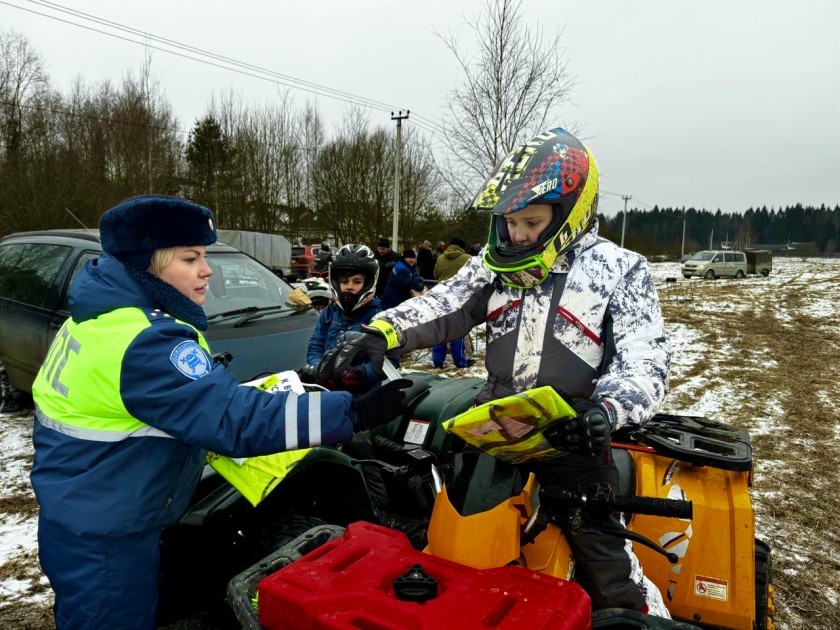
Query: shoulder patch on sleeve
(190, 359)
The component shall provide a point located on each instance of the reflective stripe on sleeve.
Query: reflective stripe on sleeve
(314, 418)
(291, 422)
(96, 435)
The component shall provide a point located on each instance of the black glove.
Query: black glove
(353, 379)
(338, 360)
(381, 405)
(589, 432)
(306, 374)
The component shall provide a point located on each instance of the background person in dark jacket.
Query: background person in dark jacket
(386, 259)
(448, 264)
(402, 280)
(426, 263)
(127, 402)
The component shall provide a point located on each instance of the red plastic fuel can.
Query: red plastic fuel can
(348, 584)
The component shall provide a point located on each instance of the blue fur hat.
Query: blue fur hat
(133, 229)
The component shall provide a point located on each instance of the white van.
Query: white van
(711, 264)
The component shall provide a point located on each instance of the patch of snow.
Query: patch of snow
(17, 535)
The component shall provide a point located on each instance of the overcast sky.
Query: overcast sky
(716, 104)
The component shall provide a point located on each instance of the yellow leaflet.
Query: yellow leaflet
(511, 428)
(256, 477)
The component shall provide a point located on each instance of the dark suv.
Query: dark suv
(246, 307)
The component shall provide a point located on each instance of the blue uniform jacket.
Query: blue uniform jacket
(332, 324)
(143, 482)
(400, 283)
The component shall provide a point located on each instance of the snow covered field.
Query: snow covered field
(760, 353)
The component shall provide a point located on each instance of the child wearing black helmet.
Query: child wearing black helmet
(353, 278)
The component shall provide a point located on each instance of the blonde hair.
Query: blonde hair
(160, 259)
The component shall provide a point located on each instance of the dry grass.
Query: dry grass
(791, 408)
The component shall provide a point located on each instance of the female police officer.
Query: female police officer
(127, 401)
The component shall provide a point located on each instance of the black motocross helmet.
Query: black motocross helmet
(352, 259)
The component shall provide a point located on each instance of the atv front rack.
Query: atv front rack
(695, 440)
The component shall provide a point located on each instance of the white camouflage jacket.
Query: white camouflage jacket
(593, 329)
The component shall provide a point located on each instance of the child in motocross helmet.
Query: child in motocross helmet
(561, 307)
(352, 284)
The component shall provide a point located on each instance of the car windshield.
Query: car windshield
(703, 256)
(239, 282)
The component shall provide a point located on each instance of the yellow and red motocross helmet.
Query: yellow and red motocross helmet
(553, 168)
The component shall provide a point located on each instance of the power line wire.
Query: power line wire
(240, 67)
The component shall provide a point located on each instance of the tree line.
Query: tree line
(67, 157)
(659, 232)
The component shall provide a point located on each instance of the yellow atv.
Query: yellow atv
(683, 490)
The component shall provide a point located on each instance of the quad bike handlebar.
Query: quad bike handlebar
(674, 508)
(581, 511)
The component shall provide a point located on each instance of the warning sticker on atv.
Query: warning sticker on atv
(712, 588)
(416, 432)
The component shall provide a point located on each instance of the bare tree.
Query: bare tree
(512, 87)
(420, 184)
(354, 181)
(23, 82)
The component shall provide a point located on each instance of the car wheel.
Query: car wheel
(765, 272)
(11, 399)
(739, 275)
(709, 275)
(686, 276)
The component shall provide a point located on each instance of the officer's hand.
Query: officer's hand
(381, 405)
(306, 374)
(589, 432)
(338, 360)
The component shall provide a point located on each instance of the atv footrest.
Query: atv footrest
(242, 589)
(699, 441)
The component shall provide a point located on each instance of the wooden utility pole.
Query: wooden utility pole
(397, 159)
(624, 222)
